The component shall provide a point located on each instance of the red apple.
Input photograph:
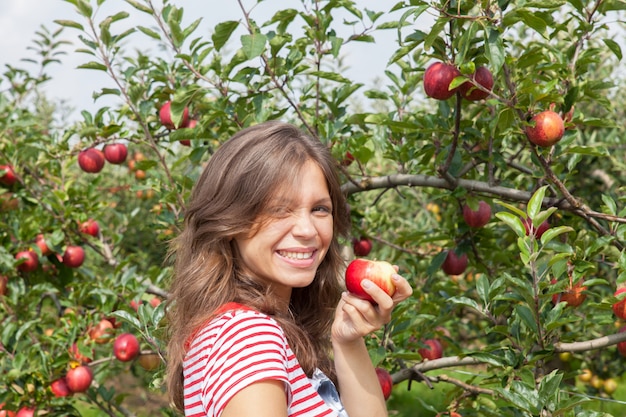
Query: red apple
(79, 379)
(155, 301)
(437, 79)
(621, 346)
(74, 256)
(379, 272)
(9, 177)
(134, 304)
(191, 125)
(59, 388)
(25, 412)
(483, 77)
(40, 241)
(539, 231)
(91, 160)
(115, 153)
(165, 116)
(5, 413)
(102, 332)
(385, 380)
(31, 261)
(619, 308)
(431, 350)
(454, 264)
(149, 361)
(347, 159)
(126, 347)
(90, 227)
(574, 295)
(546, 129)
(361, 246)
(477, 218)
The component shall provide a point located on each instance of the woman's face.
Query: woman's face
(286, 249)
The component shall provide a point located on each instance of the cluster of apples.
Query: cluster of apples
(544, 129)
(73, 257)
(92, 159)
(126, 348)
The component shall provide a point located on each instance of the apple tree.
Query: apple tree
(486, 161)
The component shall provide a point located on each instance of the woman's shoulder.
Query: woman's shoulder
(237, 323)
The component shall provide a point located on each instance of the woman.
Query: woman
(257, 309)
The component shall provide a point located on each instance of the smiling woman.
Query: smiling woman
(256, 292)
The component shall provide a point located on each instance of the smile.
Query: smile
(296, 255)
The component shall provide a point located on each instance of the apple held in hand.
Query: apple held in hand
(385, 380)
(126, 347)
(437, 79)
(546, 129)
(379, 272)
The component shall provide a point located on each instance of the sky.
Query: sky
(20, 19)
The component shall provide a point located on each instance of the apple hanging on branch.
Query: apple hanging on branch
(115, 153)
(126, 347)
(483, 77)
(91, 160)
(454, 264)
(79, 378)
(361, 246)
(8, 178)
(479, 217)
(546, 128)
(379, 272)
(437, 80)
(385, 381)
(165, 117)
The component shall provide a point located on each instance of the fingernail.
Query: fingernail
(366, 283)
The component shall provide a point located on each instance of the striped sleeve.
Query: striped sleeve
(231, 353)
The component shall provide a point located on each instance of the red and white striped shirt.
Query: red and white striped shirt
(237, 348)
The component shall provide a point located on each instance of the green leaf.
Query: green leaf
(513, 222)
(84, 8)
(253, 45)
(94, 66)
(128, 318)
(466, 302)
(69, 24)
(614, 47)
(139, 6)
(534, 204)
(483, 289)
(526, 315)
(533, 20)
(554, 232)
(149, 32)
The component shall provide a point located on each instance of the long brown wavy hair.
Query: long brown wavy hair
(240, 180)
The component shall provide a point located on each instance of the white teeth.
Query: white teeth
(296, 255)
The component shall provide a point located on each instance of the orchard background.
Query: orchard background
(529, 327)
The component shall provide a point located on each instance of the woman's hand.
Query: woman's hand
(356, 318)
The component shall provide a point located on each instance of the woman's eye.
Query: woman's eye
(323, 209)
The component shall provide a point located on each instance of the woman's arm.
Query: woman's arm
(355, 318)
(262, 399)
